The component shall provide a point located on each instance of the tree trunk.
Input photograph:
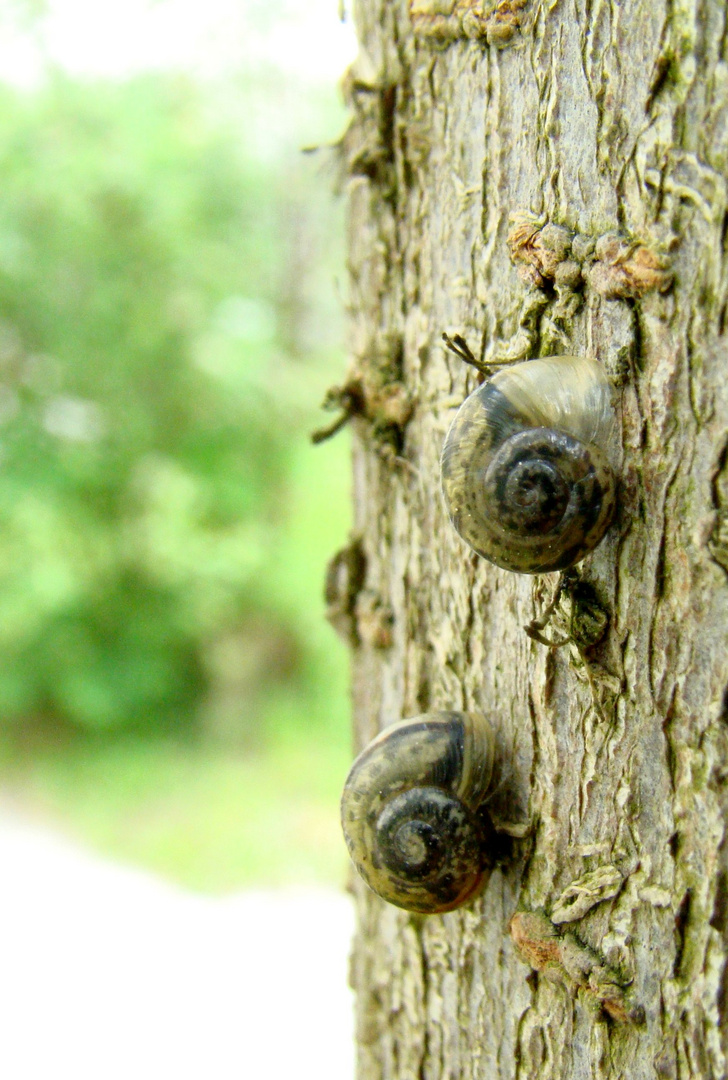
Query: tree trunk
(549, 178)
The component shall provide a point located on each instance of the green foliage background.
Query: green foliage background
(168, 327)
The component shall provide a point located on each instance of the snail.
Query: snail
(524, 473)
(411, 811)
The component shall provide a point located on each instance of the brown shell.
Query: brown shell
(410, 806)
(524, 472)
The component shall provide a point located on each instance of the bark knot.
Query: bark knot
(564, 958)
(445, 20)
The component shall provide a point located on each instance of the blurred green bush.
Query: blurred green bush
(164, 343)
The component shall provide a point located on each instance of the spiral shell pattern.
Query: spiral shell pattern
(524, 472)
(410, 806)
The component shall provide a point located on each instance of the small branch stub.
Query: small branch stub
(345, 576)
(374, 393)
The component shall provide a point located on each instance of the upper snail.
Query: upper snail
(525, 479)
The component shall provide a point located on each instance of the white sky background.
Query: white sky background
(208, 38)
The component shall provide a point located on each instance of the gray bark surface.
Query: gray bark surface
(609, 120)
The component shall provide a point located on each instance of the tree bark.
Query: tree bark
(549, 177)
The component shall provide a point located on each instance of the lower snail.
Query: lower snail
(411, 811)
(524, 473)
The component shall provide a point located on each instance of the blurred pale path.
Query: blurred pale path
(108, 973)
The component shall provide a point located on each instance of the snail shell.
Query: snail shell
(525, 479)
(410, 810)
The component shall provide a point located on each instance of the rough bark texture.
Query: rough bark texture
(470, 126)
